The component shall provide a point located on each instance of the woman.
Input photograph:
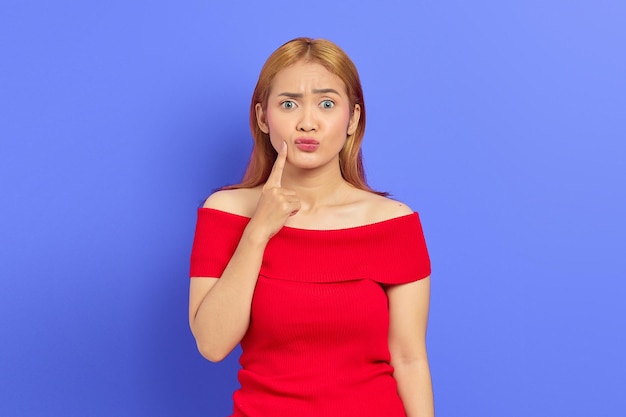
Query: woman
(324, 282)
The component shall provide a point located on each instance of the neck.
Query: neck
(316, 188)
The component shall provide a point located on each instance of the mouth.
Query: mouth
(306, 144)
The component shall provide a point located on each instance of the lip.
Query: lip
(306, 144)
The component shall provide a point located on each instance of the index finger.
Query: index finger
(274, 179)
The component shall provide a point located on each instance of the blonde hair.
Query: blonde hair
(336, 61)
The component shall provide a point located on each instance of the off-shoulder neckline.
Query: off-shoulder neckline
(380, 223)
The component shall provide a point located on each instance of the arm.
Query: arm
(219, 309)
(408, 311)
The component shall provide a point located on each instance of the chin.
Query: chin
(310, 165)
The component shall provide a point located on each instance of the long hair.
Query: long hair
(336, 61)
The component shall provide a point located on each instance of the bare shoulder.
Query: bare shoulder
(241, 201)
(381, 208)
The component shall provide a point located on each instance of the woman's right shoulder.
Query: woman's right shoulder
(241, 201)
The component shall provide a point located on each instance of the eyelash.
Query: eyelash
(327, 101)
(283, 103)
(291, 102)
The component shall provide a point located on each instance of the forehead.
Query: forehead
(303, 76)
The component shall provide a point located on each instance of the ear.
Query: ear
(354, 119)
(260, 119)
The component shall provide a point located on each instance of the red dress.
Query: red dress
(317, 341)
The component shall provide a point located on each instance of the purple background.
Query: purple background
(502, 123)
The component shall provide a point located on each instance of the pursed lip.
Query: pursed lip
(306, 141)
(306, 144)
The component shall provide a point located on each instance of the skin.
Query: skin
(306, 190)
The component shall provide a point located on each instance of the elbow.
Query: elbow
(212, 345)
(211, 353)
(207, 349)
(410, 359)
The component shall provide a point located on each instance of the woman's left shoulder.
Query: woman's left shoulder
(382, 208)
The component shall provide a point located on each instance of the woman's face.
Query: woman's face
(308, 107)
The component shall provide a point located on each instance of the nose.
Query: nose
(307, 122)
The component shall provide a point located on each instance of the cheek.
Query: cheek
(274, 131)
(342, 122)
(273, 121)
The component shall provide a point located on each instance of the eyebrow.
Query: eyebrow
(315, 91)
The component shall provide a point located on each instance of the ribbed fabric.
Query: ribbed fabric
(317, 341)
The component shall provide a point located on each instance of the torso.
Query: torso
(317, 340)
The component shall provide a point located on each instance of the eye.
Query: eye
(327, 104)
(288, 104)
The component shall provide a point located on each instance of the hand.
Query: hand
(276, 203)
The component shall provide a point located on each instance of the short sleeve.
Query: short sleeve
(216, 238)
